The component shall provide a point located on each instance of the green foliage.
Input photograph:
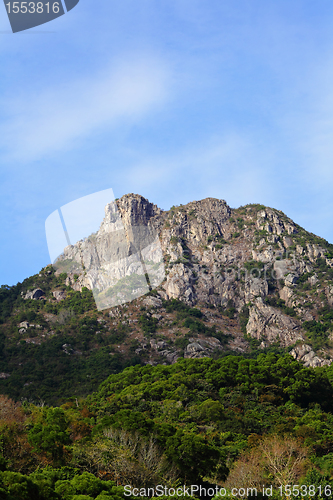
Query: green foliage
(277, 302)
(244, 318)
(229, 310)
(197, 326)
(50, 434)
(253, 264)
(57, 484)
(182, 342)
(78, 302)
(316, 332)
(240, 223)
(179, 306)
(16, 486)
(197, 414)
(8, 297)
(192, 454)
(148, 323)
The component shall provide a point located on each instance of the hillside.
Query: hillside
(237, 281)
(227, 423)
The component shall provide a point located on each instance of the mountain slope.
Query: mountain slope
(237, 281)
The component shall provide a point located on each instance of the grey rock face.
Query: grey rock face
(34, 294)
(213, 257)
(115, 261)
(194, 350)
(306, 355)
(59, 295)
(199, 348)
(152, 302)
(270, 324)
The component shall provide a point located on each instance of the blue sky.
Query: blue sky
(174, 99)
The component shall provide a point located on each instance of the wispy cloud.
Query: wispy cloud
(44, 121)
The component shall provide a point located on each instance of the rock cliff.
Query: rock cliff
(253, 265)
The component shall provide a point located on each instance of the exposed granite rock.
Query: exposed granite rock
(24, 324)
(194, 350)
(59, 295)
(329, 294)
(306, 355)
(201, 348)
(68, 349)
(268, 323)
(152, 302)
(210, 253)
(33, 294)
(115, 261)
(178, 283)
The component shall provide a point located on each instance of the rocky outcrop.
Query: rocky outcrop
(204, 254)
(270, 325)
(123, 259)
(136, 210)
(59, 295)
(178, 283)
(307, 356)
(33, 294)
(201, 348)
(152, 302)
(272, 222)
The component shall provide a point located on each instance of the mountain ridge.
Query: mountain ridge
(237, 281)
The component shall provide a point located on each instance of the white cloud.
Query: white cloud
(42, 122)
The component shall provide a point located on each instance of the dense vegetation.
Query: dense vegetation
(46, 370)
(225, 420)
(194, 422)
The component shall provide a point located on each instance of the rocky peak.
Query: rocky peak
(253, 262)
(136, 210)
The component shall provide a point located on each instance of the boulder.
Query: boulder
(34, 294)
(59, 295)
(269, 324)
(152, 302)
(307, 356)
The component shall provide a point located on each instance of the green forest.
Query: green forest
(82, 420)
(231, 422)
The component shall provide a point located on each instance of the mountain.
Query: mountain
(214, 281)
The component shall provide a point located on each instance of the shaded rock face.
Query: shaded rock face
(152, 302)
(116, 260)
(59, 295)
(201, 348)
(222, 258)
(268, 324)
(34, 294)
(306, 355)
(135, 210)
